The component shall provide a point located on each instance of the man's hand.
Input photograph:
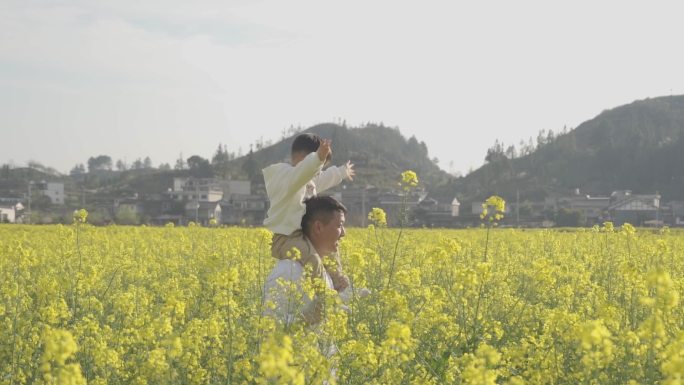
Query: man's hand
(325, 150)
(343, 284)
(350, 170)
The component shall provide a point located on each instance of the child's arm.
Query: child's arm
(305, 170)
(332, 176)
(284, 181)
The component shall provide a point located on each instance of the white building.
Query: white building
(8, 214)
(455, 207)
(235, 187)
(52, 190)
(196, 189)
(208, 189)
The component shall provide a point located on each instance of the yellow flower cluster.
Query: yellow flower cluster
(378, 217)
(133, 305)
(493, 209)
(276, 363)
(409, 179)
(80, 216)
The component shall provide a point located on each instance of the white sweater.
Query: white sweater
(283, 294)
(287, 186)
(286, 302)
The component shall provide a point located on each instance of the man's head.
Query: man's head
(303, 145)
(323, 223)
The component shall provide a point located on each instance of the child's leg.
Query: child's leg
(282, 246)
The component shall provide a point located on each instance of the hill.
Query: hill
(639, 147)
(379, 153)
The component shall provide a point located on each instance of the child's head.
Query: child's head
(303, 145)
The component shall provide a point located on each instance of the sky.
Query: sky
(161, 78)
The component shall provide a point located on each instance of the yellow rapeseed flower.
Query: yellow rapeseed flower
(409, 179)
(378, 217)
(80, 216)
(493, 209)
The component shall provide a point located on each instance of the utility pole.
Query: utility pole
(197, 203)
(29, 200)
(363, 207)
(657, 205)
(517, 207)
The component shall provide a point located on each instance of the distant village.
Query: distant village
(211, 201)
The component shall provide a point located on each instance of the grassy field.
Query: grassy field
(142, 305)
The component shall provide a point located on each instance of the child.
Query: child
(287, 186)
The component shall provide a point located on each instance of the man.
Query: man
(323, 227)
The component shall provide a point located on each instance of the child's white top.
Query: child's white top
(287, 186)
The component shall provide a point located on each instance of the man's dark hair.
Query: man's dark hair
(320, 208)
(306, 143)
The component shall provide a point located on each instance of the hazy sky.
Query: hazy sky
(136, 78)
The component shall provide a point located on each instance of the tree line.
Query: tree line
(217, 165)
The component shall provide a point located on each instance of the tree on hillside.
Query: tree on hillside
(78, 169)
(147, 163)
(137, 164)
(250, 166)
(221, 161)
(511, 152)
(180, 163)
(101, 162)
(528, 148)
(121, 165)
(495, 153)
(221, 155)
(550, 136)
(419, 148)
(541, 138)
(199, 167)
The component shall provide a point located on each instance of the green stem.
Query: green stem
(394, 258)
(396, 244)
(486, 244)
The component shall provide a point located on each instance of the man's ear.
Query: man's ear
(317, 226)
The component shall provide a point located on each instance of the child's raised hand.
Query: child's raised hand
(325, 150)
(350, 170)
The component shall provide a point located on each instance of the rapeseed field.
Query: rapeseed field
(141, 305)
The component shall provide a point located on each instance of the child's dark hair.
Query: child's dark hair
(321, 208)
(306, 143)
